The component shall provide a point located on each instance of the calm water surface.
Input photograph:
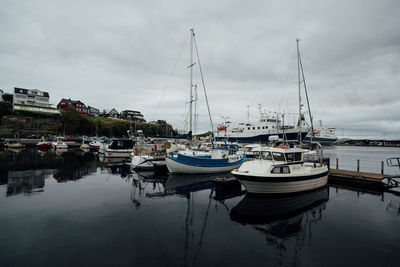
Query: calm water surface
(73, 209)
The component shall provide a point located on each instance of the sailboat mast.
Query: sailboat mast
(299, 82)
(298, 76)
(195, 109)
(191, 80)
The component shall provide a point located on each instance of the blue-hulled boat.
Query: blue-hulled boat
(218, 160)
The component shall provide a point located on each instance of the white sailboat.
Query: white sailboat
(219, 159)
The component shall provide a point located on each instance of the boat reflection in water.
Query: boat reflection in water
(147, 185)
(254, 209)
(27, 182)
(115, 166)
(185, 184)
(286, 220)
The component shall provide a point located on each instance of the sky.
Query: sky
(135, 55)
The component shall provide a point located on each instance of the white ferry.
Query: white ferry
(259, 132)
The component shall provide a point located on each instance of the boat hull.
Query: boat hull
(118, 153)
(281, 185)
(147, 163)
(262, 138)
(178, 167)
(60, 146)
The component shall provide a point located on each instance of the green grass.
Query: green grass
(6, 132)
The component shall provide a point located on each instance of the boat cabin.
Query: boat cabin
(281, 154)
(121, 144)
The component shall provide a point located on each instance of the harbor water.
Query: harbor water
(76, 209)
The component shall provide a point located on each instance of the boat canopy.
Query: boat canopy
(121, 144)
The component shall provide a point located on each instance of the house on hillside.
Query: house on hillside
(132, 115)
(31, 97)
(76, 104)
(32, 100)
(110, 113)
(92, 111)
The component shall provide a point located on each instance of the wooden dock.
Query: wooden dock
(366, 179)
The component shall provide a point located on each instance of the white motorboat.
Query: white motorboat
(14, 144)
(119, 148)
(281, 170)
(43, 144)
(95, 144)
(59, 144)
(148, 162)
(84, 146)
(103, 147)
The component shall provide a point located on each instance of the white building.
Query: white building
(31, 97)
(1, 95)
(32, 100)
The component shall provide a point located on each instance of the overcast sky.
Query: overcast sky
(134, 55)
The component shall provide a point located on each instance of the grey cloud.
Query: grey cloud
(122, 54)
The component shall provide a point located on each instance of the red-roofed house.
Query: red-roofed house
(77, 104)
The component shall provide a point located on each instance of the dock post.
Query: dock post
(382, 167)
(358, 165)
(337, 164)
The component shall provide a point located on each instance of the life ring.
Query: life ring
(221, 127)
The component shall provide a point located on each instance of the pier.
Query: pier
(379, 181)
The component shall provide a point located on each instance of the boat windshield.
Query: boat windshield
(278, 156)
(266, 155)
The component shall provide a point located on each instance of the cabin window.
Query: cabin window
(297, 156)
(289, 157)
(278, 156)
(248, 128)
(267, 127)
(266, 155)
(280, 170)
(263, 127)
(258, 127)
(254, 128)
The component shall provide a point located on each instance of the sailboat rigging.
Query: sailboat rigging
(190, 161)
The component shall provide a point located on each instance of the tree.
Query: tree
(71, 121)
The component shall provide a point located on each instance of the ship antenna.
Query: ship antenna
(248, 114)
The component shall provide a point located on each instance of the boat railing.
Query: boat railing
(393, 162)
(320, 149)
